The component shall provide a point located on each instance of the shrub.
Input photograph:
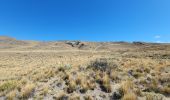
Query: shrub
(101, 64)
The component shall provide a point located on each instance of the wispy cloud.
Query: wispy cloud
(159, 42)
(157, 36)
(162, 41)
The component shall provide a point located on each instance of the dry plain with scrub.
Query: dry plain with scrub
(74, 70)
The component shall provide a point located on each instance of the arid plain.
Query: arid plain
(77, 70)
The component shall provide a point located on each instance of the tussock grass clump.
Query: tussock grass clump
(165, 90)
(11, 95)
(61, 96)
(27, 90)
(8, 85)
(66, 76)
(129, 96)
(113, 75)
(50, 73)
(44, 90)
(128, 90)
(106, 86)
(75, 96)
(44, 75)
(127, 86)
(91, 84)
(84, 87)
(79, 79)
(147, 70)
(88, 97)
(99, 76)
(61, 69)
(71, 86)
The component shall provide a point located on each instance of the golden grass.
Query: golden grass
(44, 90)
(75, 96)
(127, 86)
(11, 95)
(27, 90)
(71, 86)
(61, 96)
(113, 75)
(84, 86)
(7, 86)
(88, 97)
(106, 83)
(129, 96)
(91, 84)
(46, 69)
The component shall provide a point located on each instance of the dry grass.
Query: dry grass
(61, 96)
(75, 96)
(11, 95)
(106, 86)
(153, 96)
(91, 84)
(129, 96)
(27, 90)
(88, 97)
(7, 86)
(127, 86)
(113, 75)
(45, 90)
(71, 86)
(70, 72)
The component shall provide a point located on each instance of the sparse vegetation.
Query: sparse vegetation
(125, 74)
(7, 86)
(130, 96)
(11, 95)
(27, 90)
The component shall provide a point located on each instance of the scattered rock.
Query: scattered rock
(117, 95)
(130, 72)
(81, 45)
(139, 43)
(73, 43)
(154, 96)
(59, 85)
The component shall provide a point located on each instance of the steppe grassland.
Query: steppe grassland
(36, 74)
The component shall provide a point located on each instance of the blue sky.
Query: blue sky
(90, 20)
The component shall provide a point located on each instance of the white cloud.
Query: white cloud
(162, 41)
(157, 37)
(158, 41)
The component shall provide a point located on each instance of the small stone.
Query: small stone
(116, 95)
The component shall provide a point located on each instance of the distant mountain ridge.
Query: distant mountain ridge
(7, 43)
